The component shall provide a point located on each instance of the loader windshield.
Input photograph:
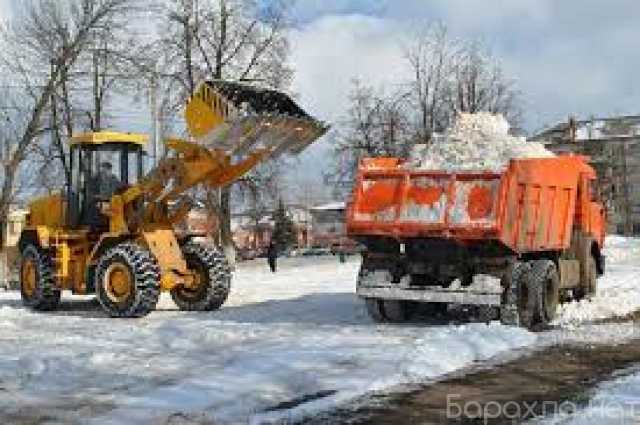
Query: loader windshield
(98, 172)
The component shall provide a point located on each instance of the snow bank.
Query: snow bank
(475, 142)
(614, 403)
(297, 334)
(618, 293)
(298, 337)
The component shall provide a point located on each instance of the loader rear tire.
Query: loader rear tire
(128, 281)
(38, 286)
(213, 276)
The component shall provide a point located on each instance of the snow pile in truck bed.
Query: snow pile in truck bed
(478, 141)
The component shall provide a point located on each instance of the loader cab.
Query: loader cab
(102, 164)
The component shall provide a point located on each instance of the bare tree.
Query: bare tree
(448, 77)
(259, 193)
(44, 39)
(453, 76)
(375, 125)
(224, 39)
(480, 84)
(431, 56)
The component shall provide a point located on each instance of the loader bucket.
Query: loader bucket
(241, 119)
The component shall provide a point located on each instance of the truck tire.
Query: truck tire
(545, 281)
(519, 306)
(128, 281)
(214, 277)
(38, 287)
(396, 311)
(374, 308)
(589, 285)
(387, 311)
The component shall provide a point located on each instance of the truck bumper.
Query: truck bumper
(430, 295)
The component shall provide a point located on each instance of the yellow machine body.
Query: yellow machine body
(234, 128)
(76, 249)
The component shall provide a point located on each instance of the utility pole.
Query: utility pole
(57, 140)
(188, 43)
(155, 121)
(97, 95)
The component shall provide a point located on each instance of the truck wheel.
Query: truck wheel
(396, 311)
(38, 286)
(213, 279)
(590, 284)
(374, 308)
(128, 281)
(387, 311)
(544, 279)
(519, 305)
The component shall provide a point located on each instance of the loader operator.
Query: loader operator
(102, 187)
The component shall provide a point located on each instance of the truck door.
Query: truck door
(592, 212)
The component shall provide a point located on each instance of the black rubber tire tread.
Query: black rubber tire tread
(374, 308)
(588, 288)
(146, 274)
(526, 309)
(544, 273)
(395, 311)
(593, 276)
(216, 290)
(47, 293)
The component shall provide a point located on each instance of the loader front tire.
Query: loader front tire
(213, 279)
(38, 286)
(128, 281)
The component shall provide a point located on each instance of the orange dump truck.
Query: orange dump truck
(538, 226)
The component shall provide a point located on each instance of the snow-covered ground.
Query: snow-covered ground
(285, 344)
(613, 403)
(300, 333)
(618, 290)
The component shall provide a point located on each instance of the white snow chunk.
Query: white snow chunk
(479, 141)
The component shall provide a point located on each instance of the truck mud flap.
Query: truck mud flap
(430, 295)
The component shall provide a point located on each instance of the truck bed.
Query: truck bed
(529, 207)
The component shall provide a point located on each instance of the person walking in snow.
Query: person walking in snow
(272, 256)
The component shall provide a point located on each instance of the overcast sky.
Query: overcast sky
(578, 56)
(569, 57)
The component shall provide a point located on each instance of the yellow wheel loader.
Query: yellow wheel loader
(112, 231)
